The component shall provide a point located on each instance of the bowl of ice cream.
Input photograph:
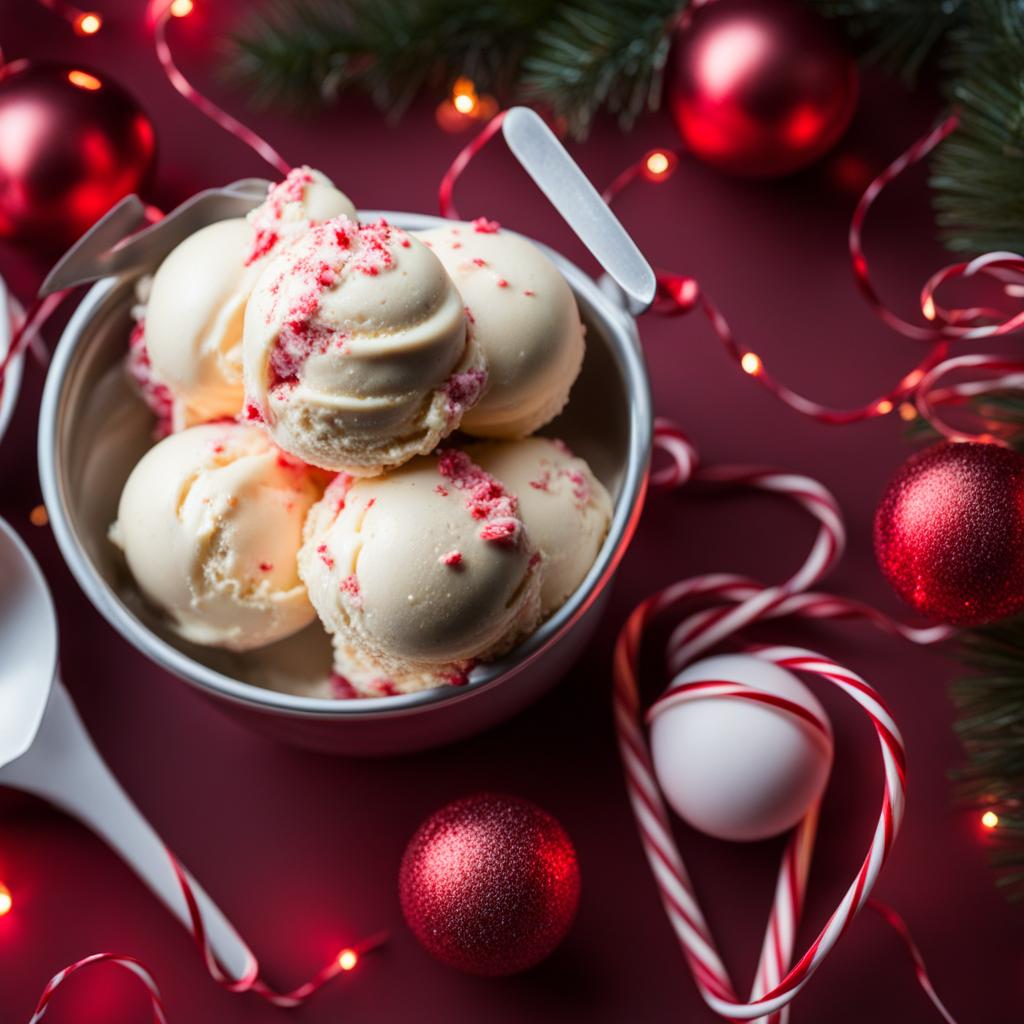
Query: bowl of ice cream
(346, 564)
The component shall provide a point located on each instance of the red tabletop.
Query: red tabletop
(302, 850)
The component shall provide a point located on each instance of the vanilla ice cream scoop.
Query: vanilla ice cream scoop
(523, 315)
(210, 521)
(420, 573)
(356, 354)
(565, 508)
(198, 295)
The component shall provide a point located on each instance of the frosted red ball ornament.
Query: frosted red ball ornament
(490, 884)
(760, 88)
(949, 532)
(72, 143)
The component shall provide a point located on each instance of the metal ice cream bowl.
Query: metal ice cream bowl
(94, 428)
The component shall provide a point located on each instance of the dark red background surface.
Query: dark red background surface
(302, 851)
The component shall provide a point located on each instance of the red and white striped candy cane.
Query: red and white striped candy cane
(742, 602)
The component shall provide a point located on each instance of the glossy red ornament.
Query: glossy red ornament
(760, 88)
(949, 533)
(490, 884)
(72, 143)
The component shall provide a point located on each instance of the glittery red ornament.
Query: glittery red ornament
(949, 533)
(760, 88)
(72, 143)
(490, 884)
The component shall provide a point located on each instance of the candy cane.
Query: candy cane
(747, 601)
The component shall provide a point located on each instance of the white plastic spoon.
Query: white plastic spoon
(45, 750)
(569, 190)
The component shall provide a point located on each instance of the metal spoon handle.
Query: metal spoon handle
(64, 767)
(559, 177)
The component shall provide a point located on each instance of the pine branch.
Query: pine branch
(991, 726)
(898, 35)
(304, 52)
(598, 54)
(978, 172)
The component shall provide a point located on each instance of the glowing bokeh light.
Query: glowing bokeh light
(83, 80)
(6, 900)
(347, 959)
(751, 363)
(88, 23)
(182, 8)
(990, 819)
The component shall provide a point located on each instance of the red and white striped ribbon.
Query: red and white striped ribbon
(739, 603)
(128, 963)
(251, 981)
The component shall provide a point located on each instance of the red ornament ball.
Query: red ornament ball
(949, 533)
(72, 143)
(760, 88)
(490, 884)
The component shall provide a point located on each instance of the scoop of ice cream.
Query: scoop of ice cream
(420, 573)
(524, 317)
(356, 354)
(565, 507)
(197, 299)
(210, 521)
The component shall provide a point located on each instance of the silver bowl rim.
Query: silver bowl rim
(627, 511)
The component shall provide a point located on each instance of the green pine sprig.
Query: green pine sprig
(990, 709)
(978, 173)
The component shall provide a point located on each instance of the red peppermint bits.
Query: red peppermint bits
(451, 558)
(350, 586)
(483, 226)
(485, 498)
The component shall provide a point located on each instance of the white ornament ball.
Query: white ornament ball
(737, 769)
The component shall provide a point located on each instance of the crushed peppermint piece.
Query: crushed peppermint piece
(157, 396)
(342, 688)
(266, 566)
(337, 491)
(441, 489)
(252, 413)
(502, 283)
(452, 558)
(462, 391)
(267, 218)
(486, 498)
(483, 226)
(529, 292)
(325, 556)
(350, 586)
(319, 260)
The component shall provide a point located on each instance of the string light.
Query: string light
(884, 407)
(990, 819)
(907, 412)
(348, 959)
(6, 900)
(464, 108)
(659, 164)
(464, 97)
(88, 23)
(182, 8)
(83, 80)
(39, 516)
(751, 363)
